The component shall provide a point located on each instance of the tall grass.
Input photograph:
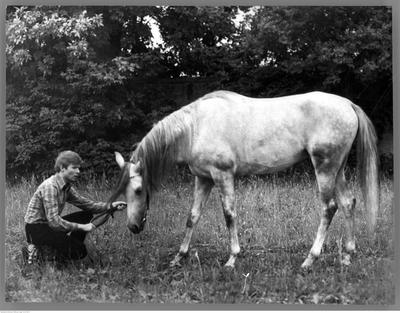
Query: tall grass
(278, 218)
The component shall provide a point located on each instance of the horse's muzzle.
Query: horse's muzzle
(137, 229)
(134, 229)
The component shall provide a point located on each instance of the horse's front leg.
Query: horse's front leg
(202, 190)
(225, 182)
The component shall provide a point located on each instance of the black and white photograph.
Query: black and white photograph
(213, 154)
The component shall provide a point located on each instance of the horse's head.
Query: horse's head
(136, 195)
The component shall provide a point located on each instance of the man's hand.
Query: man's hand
(119, 205)
(87, 227)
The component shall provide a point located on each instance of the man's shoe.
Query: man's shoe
(32, 254)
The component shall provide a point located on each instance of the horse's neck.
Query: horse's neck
(182, 151)
(163, 147)
(178, 147)
(177, 133)
(174, 140)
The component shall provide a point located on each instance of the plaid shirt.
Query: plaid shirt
(49, 200)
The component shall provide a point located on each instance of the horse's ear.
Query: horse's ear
(120, 159)
(139, 167)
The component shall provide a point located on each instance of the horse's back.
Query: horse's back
(256, 135)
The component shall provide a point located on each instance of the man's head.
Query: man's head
(68, 164)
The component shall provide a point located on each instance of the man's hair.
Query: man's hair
(66, 158)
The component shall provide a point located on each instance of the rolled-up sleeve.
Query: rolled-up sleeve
(85, 204)
(50, 204)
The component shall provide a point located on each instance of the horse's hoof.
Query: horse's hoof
(229, 267)
(231, 262)
(307, 264)
(175, 264)
(346, 260)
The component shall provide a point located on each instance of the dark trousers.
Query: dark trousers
(67, 246)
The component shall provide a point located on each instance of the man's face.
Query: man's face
(70, 173)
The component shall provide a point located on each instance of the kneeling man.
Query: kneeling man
(44, 225)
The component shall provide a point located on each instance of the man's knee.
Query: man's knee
(81, 217)
(78, 253)
(73, 251)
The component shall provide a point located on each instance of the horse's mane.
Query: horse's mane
(159, 150)
(164, 143)
(123, 179)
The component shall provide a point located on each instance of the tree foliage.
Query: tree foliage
(337, 48)
(65, 83)
(91, 78)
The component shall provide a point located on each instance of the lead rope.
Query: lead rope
(103, 217)
(97, 221)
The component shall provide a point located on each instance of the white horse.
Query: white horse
(223, 135)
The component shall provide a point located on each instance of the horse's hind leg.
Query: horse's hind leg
(346, 202)
(202, 190)
(326, 174)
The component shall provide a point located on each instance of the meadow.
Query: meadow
(278, 219)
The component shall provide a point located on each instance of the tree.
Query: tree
(63, 90)
(197, 40)
(90, 79)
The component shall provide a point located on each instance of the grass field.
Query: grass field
(278, 219)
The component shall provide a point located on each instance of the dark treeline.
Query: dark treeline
(92, 79)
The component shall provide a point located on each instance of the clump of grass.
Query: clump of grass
(278, 218)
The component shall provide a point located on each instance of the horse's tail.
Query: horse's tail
(368, 166)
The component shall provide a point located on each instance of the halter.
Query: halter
(147, 203)
(145, 212)
(101, 218)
